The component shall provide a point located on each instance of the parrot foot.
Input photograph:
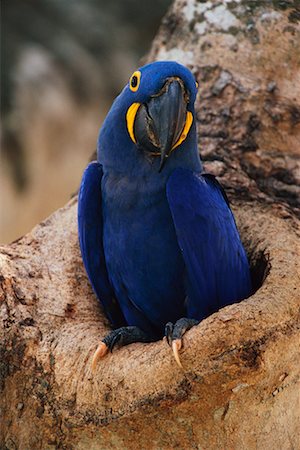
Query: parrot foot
(174, 333)
(121, 336)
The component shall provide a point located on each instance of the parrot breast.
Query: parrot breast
(143, 259)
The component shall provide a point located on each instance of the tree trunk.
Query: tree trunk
(238, 388)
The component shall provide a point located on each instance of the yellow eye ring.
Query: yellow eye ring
(134, 81)
(197, 84)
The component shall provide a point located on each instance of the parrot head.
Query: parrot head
(155, 110)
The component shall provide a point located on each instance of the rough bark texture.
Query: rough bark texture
(239, 386)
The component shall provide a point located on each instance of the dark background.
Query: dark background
(63, 62)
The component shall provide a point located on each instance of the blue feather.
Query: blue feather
(216, 262)
(90, 230)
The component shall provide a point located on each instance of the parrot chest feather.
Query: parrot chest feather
(143, 258)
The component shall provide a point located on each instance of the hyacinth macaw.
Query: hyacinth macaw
(157, 236)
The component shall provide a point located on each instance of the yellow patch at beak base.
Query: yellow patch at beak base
(186, 129)
(130, 118)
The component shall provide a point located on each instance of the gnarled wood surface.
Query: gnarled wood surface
(239, 386)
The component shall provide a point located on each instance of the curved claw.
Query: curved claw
(176, 346)
(101, 351)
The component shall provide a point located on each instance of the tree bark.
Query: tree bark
(238, 388)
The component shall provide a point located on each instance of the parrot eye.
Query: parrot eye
(134, 81)
(197, 84)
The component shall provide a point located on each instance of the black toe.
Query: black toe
(169, 331)
(182, 326)
(176, 331)
(124, 336)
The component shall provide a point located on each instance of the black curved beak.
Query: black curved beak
(159, 123)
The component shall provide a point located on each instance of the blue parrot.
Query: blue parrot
(158, 239)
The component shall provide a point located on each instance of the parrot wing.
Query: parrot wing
(90, 230)
(216, 263)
